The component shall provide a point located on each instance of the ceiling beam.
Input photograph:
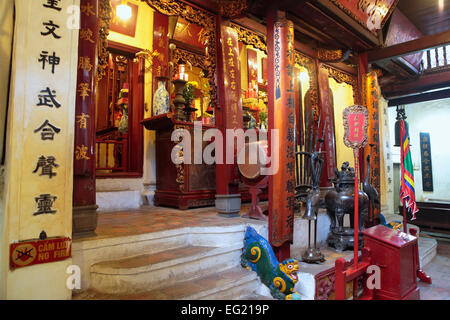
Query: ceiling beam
(409, 47)
(423, 84)
(428, 96)
(353, 24)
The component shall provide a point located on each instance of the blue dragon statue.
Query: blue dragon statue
(258, 256)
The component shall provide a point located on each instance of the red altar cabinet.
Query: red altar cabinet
(397, 255)
(180, 185)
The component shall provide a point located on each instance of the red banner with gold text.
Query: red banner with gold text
(282, 183)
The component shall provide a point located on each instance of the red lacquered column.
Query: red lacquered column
(280, 36)
(228, 116)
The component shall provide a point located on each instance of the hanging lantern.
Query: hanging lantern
(401, 115)
(124, 11)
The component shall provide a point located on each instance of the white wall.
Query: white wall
(432, 117)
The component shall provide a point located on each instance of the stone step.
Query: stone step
(140, 273)
(427, 250)
(86, 253)
(231, 284)
(118, 199)
(256, 296)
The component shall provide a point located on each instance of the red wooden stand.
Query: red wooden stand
(255, 211)
(344, 275)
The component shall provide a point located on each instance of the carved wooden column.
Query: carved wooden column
(281, 114)
(84, 198)
(228, 116)
(373, 95)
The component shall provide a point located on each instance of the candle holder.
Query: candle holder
(179, 100)
(188, 110)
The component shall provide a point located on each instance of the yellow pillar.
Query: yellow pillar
(42, 93)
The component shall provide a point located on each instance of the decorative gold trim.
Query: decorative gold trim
(196, 60)
(203, 18)
(340, 76)
(329, 55)
(343, 77)
(303, 60)
(251, 38)
(232, 9)
(104, 19)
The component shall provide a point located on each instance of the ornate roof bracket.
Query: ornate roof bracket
(251, 38)
(343, 77)
(327, 55)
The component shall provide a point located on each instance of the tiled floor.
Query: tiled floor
(439, 271)
(153, 219)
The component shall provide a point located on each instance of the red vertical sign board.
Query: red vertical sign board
(356, 122)
(230, 111)
(84, 149)
(23, 254)
(232, 79)
(160, 45)
(282, 182)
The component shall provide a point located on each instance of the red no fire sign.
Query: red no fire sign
(28, 253)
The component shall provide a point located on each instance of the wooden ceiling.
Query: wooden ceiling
(429, 16)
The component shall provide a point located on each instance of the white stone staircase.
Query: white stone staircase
(188, 263)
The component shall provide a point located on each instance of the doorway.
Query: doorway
(119, 111)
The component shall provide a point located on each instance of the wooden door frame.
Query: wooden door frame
(135, 161)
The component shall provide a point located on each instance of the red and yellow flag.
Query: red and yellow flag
(407, 191)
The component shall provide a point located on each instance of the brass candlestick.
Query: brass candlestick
(179, 100)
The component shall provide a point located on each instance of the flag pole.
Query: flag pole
(405, 229)
(356, 213)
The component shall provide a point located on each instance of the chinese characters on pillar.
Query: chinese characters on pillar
(49, 60)
(41, 119)
(232, 79)
(425, 154)
(84, 130)
(373, 95)
(281, 218)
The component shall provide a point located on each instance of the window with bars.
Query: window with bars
(436, 58)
